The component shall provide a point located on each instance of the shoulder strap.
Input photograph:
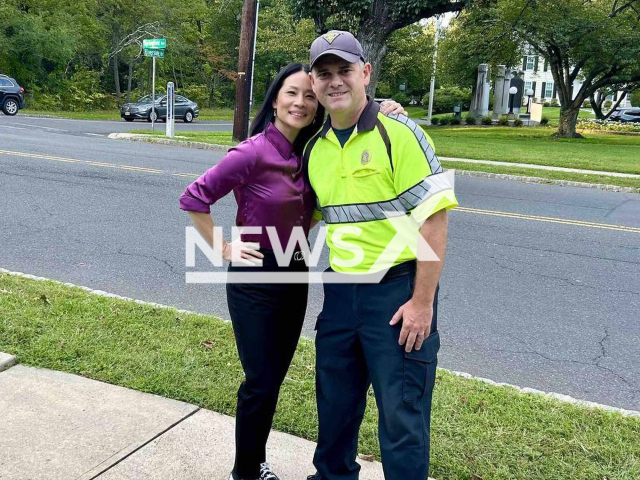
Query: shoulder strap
(307, 154)
(385, 139)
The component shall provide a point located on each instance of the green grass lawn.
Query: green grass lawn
(478, 430)
(597, 151)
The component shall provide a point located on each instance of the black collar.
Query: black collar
(366, 122)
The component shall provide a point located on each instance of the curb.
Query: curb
(525, 390)
(6, 361)
(548, 181)
(175, 143)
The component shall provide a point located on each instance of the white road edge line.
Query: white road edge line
(527, 390)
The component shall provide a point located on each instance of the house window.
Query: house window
(548, 90)
(527, 85)
(531, 63)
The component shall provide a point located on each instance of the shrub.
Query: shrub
(456, 120)
(608, 104)
(470, 120)
(486, 120)
(445, 98)
(503, 120)
(197, 93)
(435, 120)
(544, 121)
(517, 122)
(586, 104)
(445, 120)
(554, 102)
(401, 98)
(546, 104)
(635, 98)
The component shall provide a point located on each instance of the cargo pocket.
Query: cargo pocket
(420, 369)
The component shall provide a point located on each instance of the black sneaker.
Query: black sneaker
(266, 473)
(315, 476)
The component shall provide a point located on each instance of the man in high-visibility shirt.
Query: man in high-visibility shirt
(370, 172)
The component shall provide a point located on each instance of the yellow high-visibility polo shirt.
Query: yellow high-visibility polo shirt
(388, 167)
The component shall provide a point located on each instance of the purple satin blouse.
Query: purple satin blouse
(266, 178)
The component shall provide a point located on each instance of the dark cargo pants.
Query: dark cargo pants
(356, 347)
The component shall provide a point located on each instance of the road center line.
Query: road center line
(477, 211)
(536, 218)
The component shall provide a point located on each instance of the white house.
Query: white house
(537, 75)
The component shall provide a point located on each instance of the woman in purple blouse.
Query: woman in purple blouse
(265, 173)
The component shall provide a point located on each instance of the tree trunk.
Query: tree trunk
(567, 122)
(373, 34)
(597, 100)
(116, 78)
(375, 49)
(129, 80)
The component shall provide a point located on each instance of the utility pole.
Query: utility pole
(433, 73)
(245, 70)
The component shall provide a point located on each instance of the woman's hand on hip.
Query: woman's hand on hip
(245, 253)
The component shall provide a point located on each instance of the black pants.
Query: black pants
(267, 321)
(356, 347)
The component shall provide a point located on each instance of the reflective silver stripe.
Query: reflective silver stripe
(401, 205)
(432, 158)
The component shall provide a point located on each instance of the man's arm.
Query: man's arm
(417, 313)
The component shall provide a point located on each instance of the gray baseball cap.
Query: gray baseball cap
(336, 42)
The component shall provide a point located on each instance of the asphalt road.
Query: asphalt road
(535, 292)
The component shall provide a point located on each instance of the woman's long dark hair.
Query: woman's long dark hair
(265, 115)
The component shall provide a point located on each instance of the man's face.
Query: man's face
(338, 84)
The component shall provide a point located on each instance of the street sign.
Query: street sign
(155, 43)
(153, 53)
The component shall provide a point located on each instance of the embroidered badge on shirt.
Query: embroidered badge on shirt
(330, 36)
(365, 157)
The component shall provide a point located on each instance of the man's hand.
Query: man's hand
(392, 107)
(416, 324)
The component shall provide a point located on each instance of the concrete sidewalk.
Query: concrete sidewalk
(58, 426)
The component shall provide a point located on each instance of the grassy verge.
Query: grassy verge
(597, 151)
(215, 138)
(222, 114)
(478, 430)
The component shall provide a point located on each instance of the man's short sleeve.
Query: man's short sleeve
(419, 180)
(231, 172)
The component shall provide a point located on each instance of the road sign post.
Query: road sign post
(154, 112)
(170, 109)
(154, 48)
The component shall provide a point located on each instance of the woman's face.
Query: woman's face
(295, 105)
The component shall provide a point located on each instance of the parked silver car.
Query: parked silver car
(185, 109)
(630, 115)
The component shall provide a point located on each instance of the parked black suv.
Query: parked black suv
(11, 95)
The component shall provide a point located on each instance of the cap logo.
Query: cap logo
(331, 36)
(365, 158)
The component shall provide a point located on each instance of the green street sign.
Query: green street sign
(155, 43)
(148, 52)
